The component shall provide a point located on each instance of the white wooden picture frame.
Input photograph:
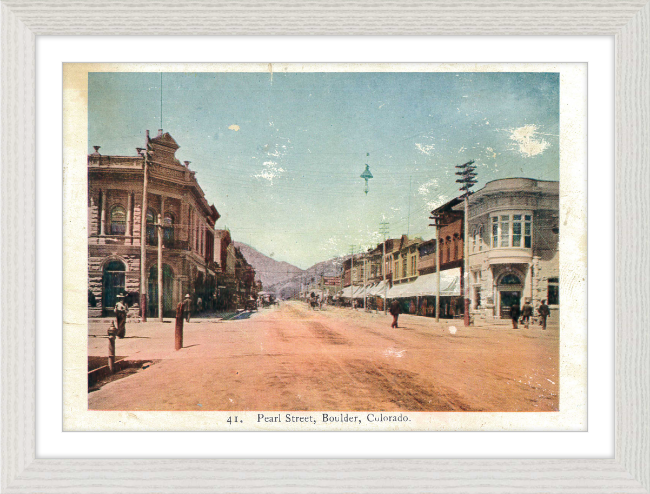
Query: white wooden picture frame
(628, 21)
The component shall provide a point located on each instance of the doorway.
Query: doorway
(113, 284)
(508, 299)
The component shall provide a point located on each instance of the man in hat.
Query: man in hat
(515, 312)
(395, 310)
(526, 312)
(543, 312)
(121, 309)
(187, 306)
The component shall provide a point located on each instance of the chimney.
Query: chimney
(147, 135)
(160, 132)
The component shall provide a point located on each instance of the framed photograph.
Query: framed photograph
(241, 306)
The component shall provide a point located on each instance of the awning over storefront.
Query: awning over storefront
(378, 290)
(346, 292)
(425, 286)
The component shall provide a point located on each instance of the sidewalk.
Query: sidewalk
(154, 339)
(425, 321)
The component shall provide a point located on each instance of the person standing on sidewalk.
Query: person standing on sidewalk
(515, 312)
(395, 312)
(121, 310)
(526, 312)
(544, 313)
(187, 307)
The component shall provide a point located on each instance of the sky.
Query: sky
(280, 155)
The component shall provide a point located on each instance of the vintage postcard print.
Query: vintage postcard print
(326, 247)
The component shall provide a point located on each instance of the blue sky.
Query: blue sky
(280, 155)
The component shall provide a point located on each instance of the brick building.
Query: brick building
(115, 220)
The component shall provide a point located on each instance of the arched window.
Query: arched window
(510, 279)
(151, 229)
(168, 230)
(118, 220)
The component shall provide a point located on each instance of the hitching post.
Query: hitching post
(178, 334)
(112, 332)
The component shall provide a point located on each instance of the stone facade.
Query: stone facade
(115, 219)
(513, 246)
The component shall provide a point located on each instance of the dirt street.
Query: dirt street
(295, 359)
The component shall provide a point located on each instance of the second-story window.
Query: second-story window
(151, 229)
(118, 220)
(505, 230)
(168, 230)
(512, 230)
(404, 267)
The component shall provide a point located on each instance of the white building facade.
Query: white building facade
(513, 246)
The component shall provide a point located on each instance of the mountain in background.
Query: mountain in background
(269, 271)
(290, 287)
(285, 279)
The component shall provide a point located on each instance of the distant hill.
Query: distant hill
(290, 287)
(285, 279)
(269, 271)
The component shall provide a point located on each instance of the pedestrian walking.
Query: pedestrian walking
(543, 313)
(515, 312)
(187, 307)
(526, 312)
(395, 311)
(121, 309)
(199, 305)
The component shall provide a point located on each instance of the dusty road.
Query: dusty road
(291, 358)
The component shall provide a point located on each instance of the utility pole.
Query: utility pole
(436, 223)
(160, 270)
(467, 173)
(365, 283)
(352, 276)
(383, 229)
(146, 153)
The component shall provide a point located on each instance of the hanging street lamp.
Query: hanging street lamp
(366, 175)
